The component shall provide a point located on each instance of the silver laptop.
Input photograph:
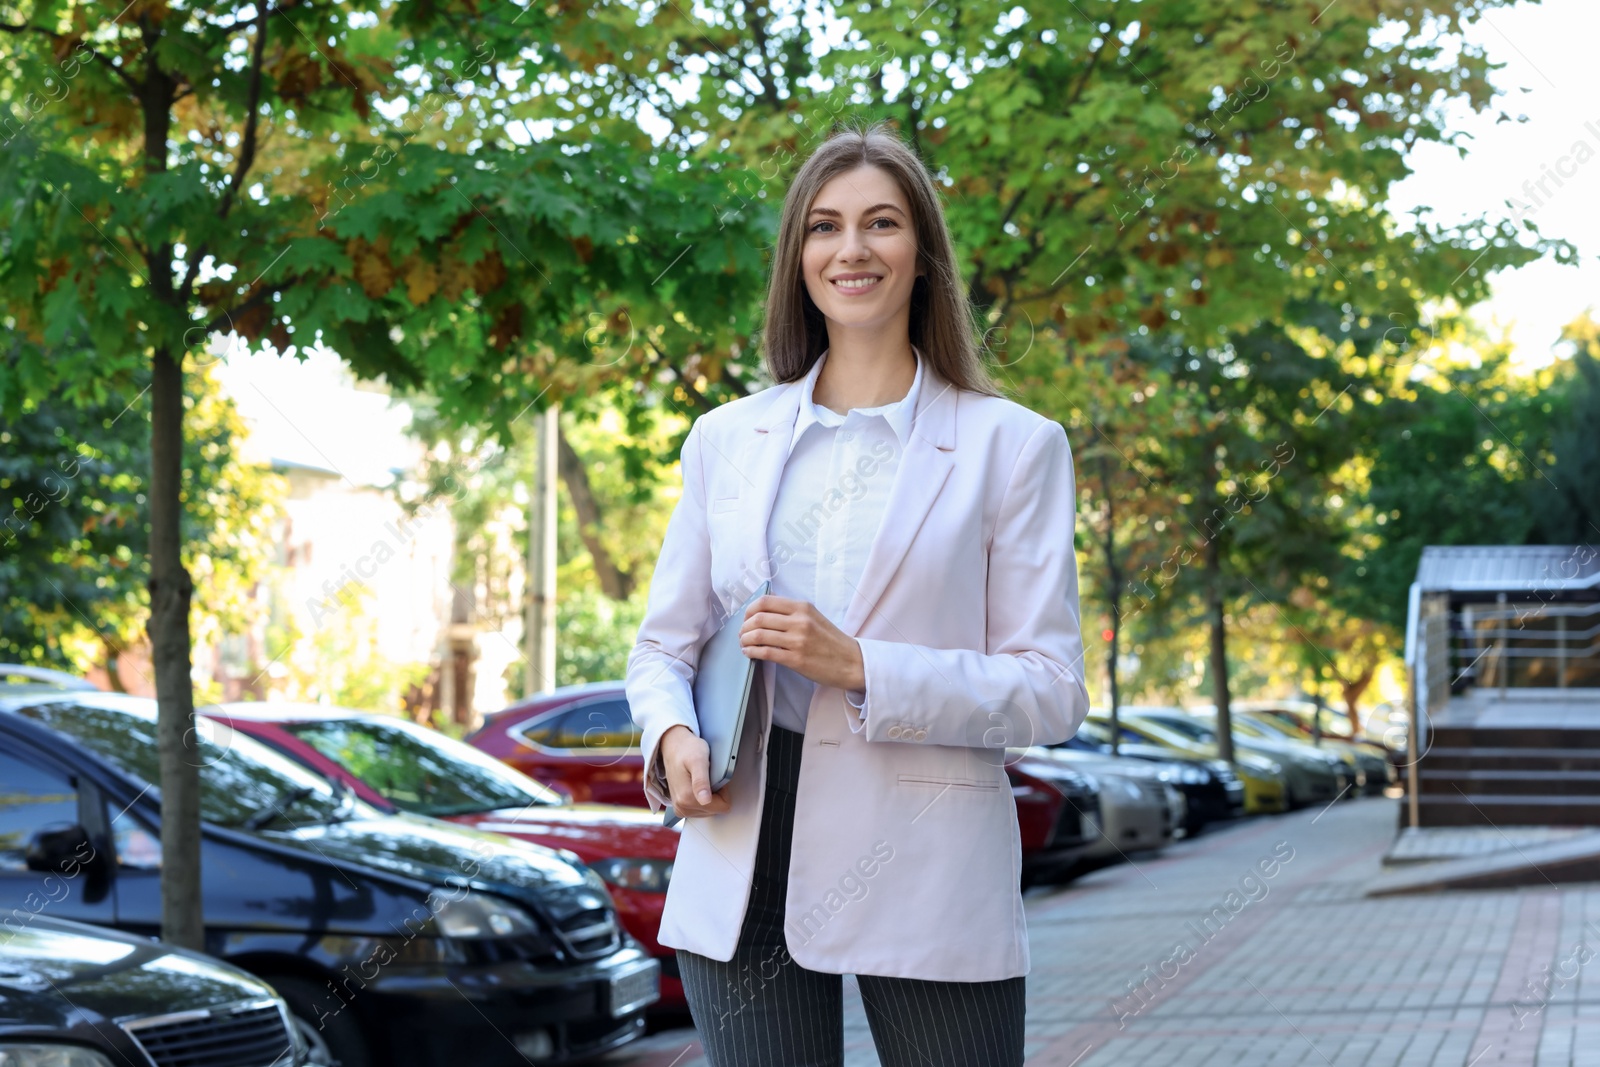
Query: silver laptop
(723, 683)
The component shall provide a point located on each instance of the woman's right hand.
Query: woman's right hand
(686, 759)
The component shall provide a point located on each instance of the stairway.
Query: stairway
(1545, 775)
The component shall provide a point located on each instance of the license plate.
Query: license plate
(633, 989)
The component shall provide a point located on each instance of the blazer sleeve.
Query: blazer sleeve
(680, 614)
(1028, 687)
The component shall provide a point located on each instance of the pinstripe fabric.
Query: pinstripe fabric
(762, 1009)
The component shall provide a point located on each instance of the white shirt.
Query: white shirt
(830, 503)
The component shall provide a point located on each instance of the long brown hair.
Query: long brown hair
(795, 332)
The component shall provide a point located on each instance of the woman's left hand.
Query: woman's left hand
(796, 635)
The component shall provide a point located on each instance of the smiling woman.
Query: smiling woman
(921, 620)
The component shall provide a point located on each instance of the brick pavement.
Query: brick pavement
(1153, 963)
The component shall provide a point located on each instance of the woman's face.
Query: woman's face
(860, 252)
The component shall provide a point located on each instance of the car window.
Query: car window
(31, 798)
(239, 777)
(420, 770)
(603, 724)
(1180, 730)
(1093, 731)
(1265, 726)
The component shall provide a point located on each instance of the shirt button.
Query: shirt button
(849, 437)
(830, 557)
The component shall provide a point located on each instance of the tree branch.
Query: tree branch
(247, 148)
(104, 60)
(614, 582)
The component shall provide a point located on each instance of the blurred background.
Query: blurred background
(1310, 287)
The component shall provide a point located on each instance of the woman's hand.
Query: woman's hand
(686, 759)
(796, 635)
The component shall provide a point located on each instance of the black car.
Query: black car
(1212, 790)
(393, 938)
(73, 995)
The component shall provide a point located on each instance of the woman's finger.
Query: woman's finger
(775, 638)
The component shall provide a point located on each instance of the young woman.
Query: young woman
(917, 528)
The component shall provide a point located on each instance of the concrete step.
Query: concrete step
(1517, 757)
(1574, 859)
(1487, 809)
(1451, 781)
(1579, 737)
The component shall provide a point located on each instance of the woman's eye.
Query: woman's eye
(816, 227)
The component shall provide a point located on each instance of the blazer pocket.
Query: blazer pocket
(973, 784)
(723, 504)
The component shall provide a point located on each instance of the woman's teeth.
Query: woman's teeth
(859, 283)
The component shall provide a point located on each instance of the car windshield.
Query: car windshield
(239, 777)
(1276, 727)
(421, 770)
(1095, 732)
(1184, 728)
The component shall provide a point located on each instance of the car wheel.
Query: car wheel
(325, 1021)
(1289, 802)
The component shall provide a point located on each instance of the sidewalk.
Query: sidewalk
(1253, 946)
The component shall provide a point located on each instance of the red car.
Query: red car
(395, 764)
(581, 739)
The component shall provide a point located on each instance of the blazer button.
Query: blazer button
(920, 735)
(894, 731)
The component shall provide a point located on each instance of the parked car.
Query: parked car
(16, 679)
(1382, 737)
(579, 738)
(73, 995)
(1373, 771)
(1211, 790)
(396, 765)
(1058, 819)
(393, 938)
(1136, 814)
(1310, 776)
(1265, 781)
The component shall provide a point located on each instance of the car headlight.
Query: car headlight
(50, 1056)
(646, 875)
(478, 915)
(1192, 776)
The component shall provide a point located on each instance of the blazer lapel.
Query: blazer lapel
(762, 462)
(925, 465)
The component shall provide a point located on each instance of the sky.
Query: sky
(312, 412)
(1548, 50)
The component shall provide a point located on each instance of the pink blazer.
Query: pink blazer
(906, 851)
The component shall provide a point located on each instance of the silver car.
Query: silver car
(1138, 810)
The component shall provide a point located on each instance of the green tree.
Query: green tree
(73, 535)
(348, 173)
(1570, 513)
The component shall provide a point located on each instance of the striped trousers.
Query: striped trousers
(763, 1008)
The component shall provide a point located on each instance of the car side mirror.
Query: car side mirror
(61, 848)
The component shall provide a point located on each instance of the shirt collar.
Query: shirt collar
(899, 414)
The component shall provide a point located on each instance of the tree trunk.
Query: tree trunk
(1108, 545)
(614, 582)
(1353, 691)
(112, 653)
(1219, 648)
(182, 920)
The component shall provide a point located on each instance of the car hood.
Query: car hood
(593, 831)
(1097, 763)
(53, 973)
(436, 852)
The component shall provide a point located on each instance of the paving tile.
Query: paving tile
(1302, 970)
